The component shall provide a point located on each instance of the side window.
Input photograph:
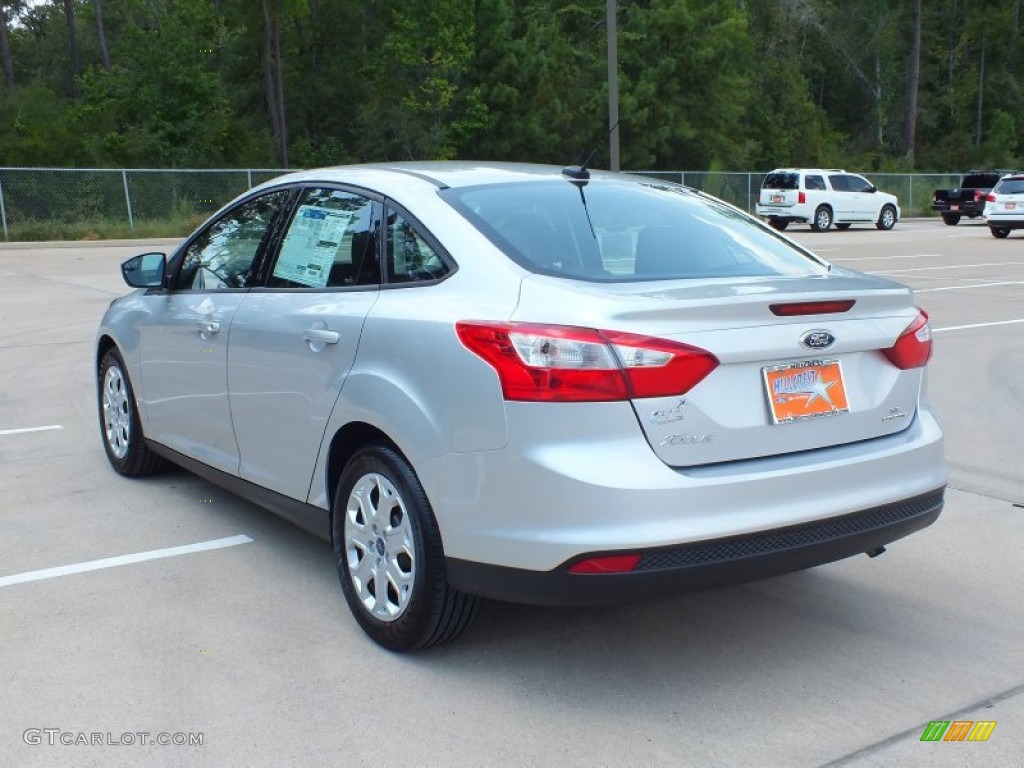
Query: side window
(331, 242)
(815, 182)
(410, 257)
(858, 184)
(838, 182)
(222, 256)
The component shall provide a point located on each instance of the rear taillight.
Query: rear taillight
(914, 346)
(558, 363)
(801, 198)
(990, 198)
(977, 195)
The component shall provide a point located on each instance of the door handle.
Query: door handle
(320, 336)
(208, 326)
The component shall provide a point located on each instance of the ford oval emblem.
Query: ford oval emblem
(817, 339)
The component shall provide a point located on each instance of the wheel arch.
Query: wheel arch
(345, 443)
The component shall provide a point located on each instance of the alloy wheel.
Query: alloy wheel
(379, 547)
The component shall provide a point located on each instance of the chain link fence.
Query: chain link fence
(39, 203)
(71, 203)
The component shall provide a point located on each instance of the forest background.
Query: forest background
(704, 84)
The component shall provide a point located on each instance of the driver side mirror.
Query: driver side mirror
(145, 271)
(872, 189)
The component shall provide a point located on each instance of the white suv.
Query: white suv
(823, 197)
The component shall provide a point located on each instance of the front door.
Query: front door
(183, 340)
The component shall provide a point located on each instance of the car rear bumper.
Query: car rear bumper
(1005, 222)
(705, 564)
(588, 482)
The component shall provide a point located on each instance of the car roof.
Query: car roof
(808, 170)
(436, 174)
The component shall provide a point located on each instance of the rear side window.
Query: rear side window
(1010, 187)
(411, 257)
(611, 230)
(781, 180)
(838, 182)
(814, 182)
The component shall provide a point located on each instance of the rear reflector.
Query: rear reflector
(914, 346)
(609, 564)
(811, 308)
(560, 363)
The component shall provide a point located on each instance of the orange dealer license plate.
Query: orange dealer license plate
(806, 390)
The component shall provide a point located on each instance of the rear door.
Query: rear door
(293, 341)
(841, 200)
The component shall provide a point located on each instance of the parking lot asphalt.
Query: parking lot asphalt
(251, 647)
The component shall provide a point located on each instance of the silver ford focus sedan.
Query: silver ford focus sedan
(527, 383)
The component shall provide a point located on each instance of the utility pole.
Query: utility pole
(613, 86)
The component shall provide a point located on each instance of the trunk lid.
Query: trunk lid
(779, 387)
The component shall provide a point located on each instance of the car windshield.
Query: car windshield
(1010, 187)
(618, 231)
(781, 180)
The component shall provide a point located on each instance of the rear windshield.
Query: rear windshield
(980, 180)
(781, 181)
(1010, 187)
(613, 230)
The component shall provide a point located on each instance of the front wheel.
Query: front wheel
(1000, 232)
(390, 557)
(119, 421)
(887, 218)
(951, 219)
(822, 219)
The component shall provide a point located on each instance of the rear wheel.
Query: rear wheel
(119, 421)
(1000, 232)
(822, 219)
(843, 227)
(887, 218)
(779, 224)
(951, 219)
(390, 557)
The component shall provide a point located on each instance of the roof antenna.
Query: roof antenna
(580, 172)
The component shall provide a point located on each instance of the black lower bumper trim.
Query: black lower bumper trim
(705, 564)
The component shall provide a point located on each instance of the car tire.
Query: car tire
(951, 219)
(887, 218)
(779, 224)
(822, 219)
(120, 427)
(390, 556)
(1000, 232)
(844, 227)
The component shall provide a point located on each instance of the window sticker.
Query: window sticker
(311, 245)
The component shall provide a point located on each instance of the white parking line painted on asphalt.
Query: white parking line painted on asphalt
(976, 325)
(951, 266)
(894, 256)
(965, 287)
(23, 430)
(111, 562)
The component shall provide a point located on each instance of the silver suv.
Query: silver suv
(525, 383)
(823, 197)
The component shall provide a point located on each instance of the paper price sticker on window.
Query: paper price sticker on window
(805, 390)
